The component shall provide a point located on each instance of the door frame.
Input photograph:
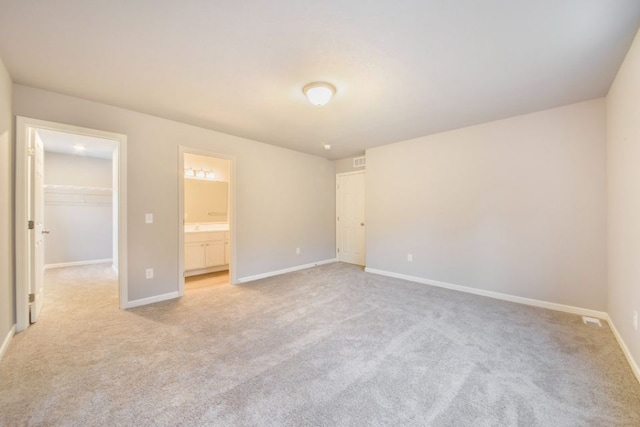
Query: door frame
(182, 150)
(24, 126)
(338, 206)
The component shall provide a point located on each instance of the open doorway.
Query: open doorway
(206, 219)
(70, 185)
(78, 199)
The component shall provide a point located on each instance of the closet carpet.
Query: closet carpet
(327, 346)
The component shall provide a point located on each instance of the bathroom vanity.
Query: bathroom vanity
(206, 249)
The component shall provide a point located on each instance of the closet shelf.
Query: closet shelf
(74, 189)
(73, 195)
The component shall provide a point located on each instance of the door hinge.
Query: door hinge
(31, 225)
(338, 250)
(338, 218)
(32, 297)
(31, 151)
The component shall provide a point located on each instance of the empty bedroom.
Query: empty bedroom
(356, 213)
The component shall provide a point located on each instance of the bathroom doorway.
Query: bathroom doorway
(206, 219)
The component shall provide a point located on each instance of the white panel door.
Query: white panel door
(350, 225)
(36, 195)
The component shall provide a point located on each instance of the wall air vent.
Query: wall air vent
(359, 162)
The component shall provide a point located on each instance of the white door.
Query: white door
(36, 240)
(350, 226)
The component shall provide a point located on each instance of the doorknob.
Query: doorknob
(362, 224)
(46, 231)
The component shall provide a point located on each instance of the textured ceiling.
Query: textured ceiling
(402, 69)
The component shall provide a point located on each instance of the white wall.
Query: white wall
(69, 169)
(80, 231)
(514, 206)
(623, 179)
(285, 199)
(346, 165)
(7, 290)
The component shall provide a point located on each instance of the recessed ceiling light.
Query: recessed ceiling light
(326, 146)
(319, 93)
(79, 147)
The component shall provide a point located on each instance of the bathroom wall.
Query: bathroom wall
(206, 200)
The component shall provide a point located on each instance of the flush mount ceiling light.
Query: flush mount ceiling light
(319, 93)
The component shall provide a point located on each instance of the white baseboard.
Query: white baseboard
(77, 263)
(285, 270)
(625, 349)
(151, 300)
(497, 295)
(7, 340)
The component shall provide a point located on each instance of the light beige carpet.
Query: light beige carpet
(328, 346)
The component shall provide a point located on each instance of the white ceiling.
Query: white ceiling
(68, 143)
(402, 69)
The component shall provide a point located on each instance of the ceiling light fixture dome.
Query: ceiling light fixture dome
(319, 93)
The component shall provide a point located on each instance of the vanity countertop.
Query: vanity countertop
(200, 228)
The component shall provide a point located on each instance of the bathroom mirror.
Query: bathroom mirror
(205, 201)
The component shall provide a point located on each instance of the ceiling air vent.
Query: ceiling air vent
(359, 162)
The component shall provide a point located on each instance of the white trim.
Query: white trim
(21, 232)
(285, 270)
(24, 125)
(351, 173)
(77, 263)
(153, 299)
(625, 349)
(7, 340)
(496, 295)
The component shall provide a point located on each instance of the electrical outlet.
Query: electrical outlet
(149, 273)
(297, 251)
(635, 319)
(410, 257)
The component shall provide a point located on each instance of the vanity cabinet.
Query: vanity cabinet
(205, 252)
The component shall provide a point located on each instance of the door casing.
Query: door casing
(24, 129)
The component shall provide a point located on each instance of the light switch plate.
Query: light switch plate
(148, 218)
